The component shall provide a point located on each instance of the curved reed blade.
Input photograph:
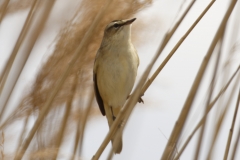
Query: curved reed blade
(3, 11)
(235, 145)
(199, 124)
(166, 39)
(59, 84)
(232, 128)
(8, 66)
(211, 86)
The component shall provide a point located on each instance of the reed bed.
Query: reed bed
(60, 100)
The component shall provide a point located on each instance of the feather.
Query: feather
(98, 96)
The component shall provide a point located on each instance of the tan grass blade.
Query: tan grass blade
(3, 10)
(232, 128)
(84, 121)
(7, 68)
(13, 116)
(220, 120)
(21, 37)
(168, 152)
(81, 126)
(166, 39)
(49, 101)
(77, 137)
(199, 124)
(66, 116)
(223, 109)
(200, 139)
(235, 145)
(24, 130)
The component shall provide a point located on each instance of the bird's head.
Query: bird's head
(118, 30)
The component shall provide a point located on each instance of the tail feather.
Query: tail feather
(117, 144)
(117, 138)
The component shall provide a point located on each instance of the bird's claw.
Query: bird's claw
(140, 100)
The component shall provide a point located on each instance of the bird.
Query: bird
(115, 70)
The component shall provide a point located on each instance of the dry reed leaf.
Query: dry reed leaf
(18, 5)
(175, 134)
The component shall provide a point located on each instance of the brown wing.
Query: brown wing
(97, 94)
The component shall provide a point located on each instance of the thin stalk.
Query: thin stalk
(20, 39)
(10, 118)
(232, 128)
(8, 66)
(166, 39)
(200, 139)
(168, 152)
(235, 145)
(23, 130)
(199, 124)
(77, 137)
(110, 154)
(84, 121)
(221, 119)
(3, 10)
(76, 55)
(66, 116)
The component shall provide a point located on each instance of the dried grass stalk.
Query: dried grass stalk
(169, 149)
(18, 5)
(235, 145)
(221, 119)
(199, 124)
(24, 130)
(7, 68)
(3, 9)
(84, 120)
(66, 116)
(232, 128)
(211, 88)
(2, 140)
(34, 37)
(166, 39)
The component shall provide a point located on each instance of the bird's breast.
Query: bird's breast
(117, 74)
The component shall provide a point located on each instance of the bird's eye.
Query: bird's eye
(116, 26)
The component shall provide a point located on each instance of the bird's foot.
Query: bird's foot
(140, 100)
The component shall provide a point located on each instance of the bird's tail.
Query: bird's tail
(117, 138)
(117, 143)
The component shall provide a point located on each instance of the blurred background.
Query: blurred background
(38, 40)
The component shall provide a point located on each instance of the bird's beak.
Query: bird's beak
(128, 21)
